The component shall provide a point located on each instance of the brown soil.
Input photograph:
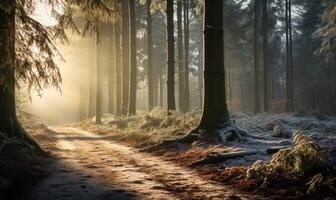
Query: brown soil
(90, 166)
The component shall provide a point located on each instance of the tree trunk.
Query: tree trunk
(111, 72)
(186, 106)
(83, 99)
(99, 78)
(200, 76)
(92, 72)
(151, 81)
(125, 56)
(133, 69)
(9, 124)
(170, 57)
(215, 110)
(289, 81)
(118, 66)
(334, 74)
(180, 63)
(256, 58)
(156, 91)
(161, 92)
(265, 56)
(290, 56)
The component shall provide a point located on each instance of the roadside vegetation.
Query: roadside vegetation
(289, 155)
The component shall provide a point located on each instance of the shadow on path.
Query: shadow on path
(91, 167)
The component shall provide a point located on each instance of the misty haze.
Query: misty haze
(167, 99)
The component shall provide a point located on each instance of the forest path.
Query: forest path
(91, 167)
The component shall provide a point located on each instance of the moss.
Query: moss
(315, 184)
(305, 159)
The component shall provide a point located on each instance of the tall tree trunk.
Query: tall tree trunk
(170, 57)
(118, 65)
(161, 92)
(156, 91)
(289, 81)
(215, 109)
(111, 72)
(334, 74)
(180, 63)
(186, 57)
(92, 70)
(99, 78)
(151, 81)
(9, 124)
(334, 80)
(83, 100)
(200, 76)
(290, 55)
(256, 58)
(133, 69)
(229, 81)
(265, 56)
(125, 55)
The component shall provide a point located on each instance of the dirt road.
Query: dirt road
(91, 167)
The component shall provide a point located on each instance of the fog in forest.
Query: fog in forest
(167, 99)
(61, 106)
(244, 56)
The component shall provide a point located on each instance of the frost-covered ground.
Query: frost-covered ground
(276, 130)
(265, 130)
(304, 159)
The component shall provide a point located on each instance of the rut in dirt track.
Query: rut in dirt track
(94, 167)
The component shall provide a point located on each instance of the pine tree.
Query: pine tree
(125, 56)
(180, 63)
(265, 56)
(99, 76)
(215, 109)
(186, 102)
(170, 57)
(150, 71)
(256, 58)
(133, 68)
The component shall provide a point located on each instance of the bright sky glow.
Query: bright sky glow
(43, 14)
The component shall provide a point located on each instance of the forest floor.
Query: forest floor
(89, 166)
(106, 161)
(267, 131)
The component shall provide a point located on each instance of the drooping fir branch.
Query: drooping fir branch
(36, 48)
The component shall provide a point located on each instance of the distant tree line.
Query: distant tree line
(258, 55)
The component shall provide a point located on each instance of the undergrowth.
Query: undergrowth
(146, 129)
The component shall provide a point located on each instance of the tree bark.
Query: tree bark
(99, 78)
(112, 74)
(180, 63)
(186, 57)
(215, 110)
(333, 73)
(289, 81)
(92, 72)
(161, 92)
(9, 123)
(256, 58)
(170, 57)
(83, 99)
(200, 76)
(156, 91)
(125, 56)
(151, 81)
(265, 56)
(118, 65)
(133, 69)
(290, 55)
